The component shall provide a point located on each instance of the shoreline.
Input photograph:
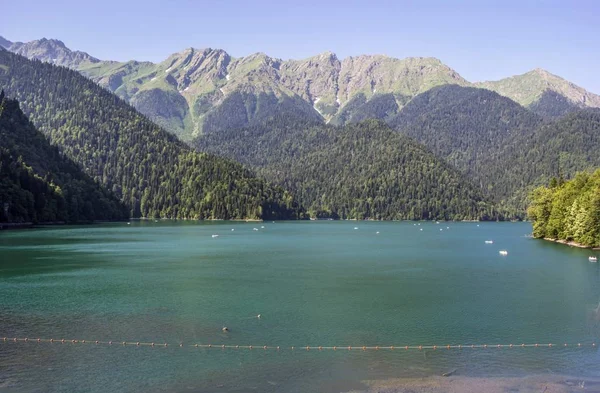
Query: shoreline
(571, 244)
(548, 383)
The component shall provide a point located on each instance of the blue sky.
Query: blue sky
(481, 40)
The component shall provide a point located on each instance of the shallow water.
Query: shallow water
(314, 283)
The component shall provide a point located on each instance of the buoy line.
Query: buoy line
(9, 340)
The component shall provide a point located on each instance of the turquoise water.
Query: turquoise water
(314, 283)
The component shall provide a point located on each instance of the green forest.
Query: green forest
(38, 184)
(148, 169)
(568, 210)
(359, 171)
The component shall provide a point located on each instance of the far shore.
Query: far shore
(550, 383)
(571, 244)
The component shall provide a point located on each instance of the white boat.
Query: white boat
(503, 252)
(215, 235)
(489, 242)
(593, 259)
(255, 229)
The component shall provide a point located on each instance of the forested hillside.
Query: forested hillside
(360, 171)
(561, 148)
(153, 173)
(38, 184)
(568, 210)
(464, 125)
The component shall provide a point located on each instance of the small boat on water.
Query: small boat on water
(489, 242)
(593, 259)
(503, 252)
(215, 235)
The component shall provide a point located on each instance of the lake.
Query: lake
(327, 283)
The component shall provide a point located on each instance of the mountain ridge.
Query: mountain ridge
(195, 91)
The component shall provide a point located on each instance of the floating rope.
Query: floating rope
(292, 348)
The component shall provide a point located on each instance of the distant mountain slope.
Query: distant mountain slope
(360, 171)
(464, 125)
(558, 149)
(4, 43)
(146, 167)
(52, 51)
(502, 147)
(544, 93)
(38, 184)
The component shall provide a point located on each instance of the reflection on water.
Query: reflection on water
(314, 283)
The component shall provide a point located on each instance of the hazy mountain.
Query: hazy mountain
(4, 43)
(147, 168)
(52, 51)
(544, 93)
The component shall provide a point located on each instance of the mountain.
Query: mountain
(359, 171)
(52, 51)
(152, 172)
(498, 144)
(202, 91)
(198, 91)
(38, 184)
(546, 94)
(4, 43)
(558, 149)
(465, 126)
